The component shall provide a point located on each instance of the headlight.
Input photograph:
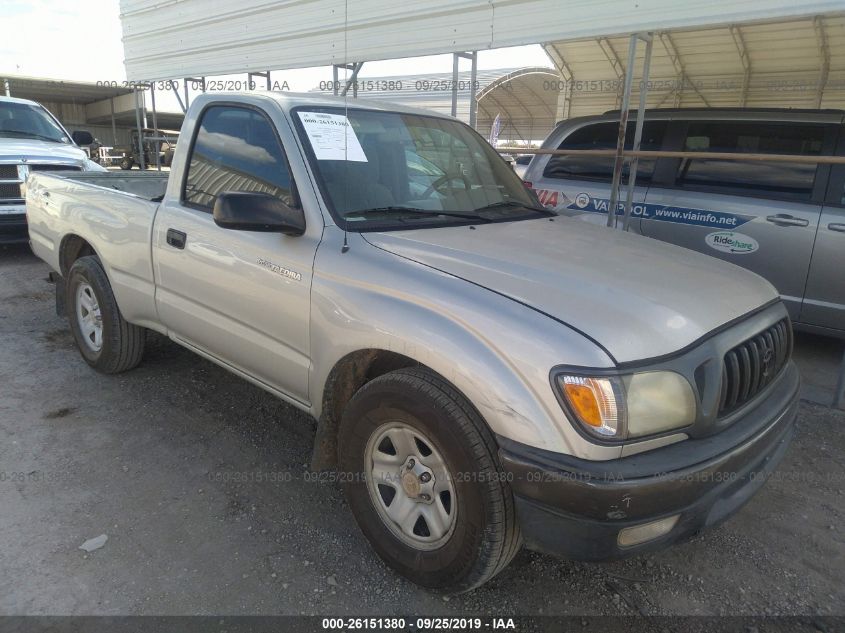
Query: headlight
(628, 406)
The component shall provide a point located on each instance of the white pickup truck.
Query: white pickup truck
(32, 139)
(485, 374)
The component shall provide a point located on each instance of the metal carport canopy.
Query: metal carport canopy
(170, 39)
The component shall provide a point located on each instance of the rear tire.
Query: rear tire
(448, 520)
(106, 341)
(126, 163)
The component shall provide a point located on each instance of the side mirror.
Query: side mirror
(81, 137)
(253, 211)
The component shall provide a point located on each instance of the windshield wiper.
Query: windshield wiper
(30, 135)
(505, 204)
(418, 211)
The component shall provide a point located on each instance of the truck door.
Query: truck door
(824, 300)
(759, 215)
(241, 297)
(577, 184)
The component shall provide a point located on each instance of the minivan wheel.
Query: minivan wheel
(422, 478)
(106, 341)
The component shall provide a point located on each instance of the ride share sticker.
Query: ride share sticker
(332, 137)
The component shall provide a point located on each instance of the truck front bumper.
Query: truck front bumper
(588, 510)
(13, 229)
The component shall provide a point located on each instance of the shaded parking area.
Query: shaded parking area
(199, 481)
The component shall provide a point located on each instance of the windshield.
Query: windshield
(24, 120)
(390, 169)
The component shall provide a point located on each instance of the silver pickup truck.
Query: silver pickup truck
(484, 373)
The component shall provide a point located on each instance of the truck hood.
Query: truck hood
(37, 151)
(638, 297)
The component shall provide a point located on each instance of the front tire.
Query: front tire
(422, 478)
(105, 339)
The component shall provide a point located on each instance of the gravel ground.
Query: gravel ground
(199, 481)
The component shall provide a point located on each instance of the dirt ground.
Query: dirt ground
(199, 481)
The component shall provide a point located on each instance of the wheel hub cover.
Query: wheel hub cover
(411, 484)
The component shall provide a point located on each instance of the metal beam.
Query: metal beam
(265, 75)
(744, 59)
(619, 159)
(565, 71)
(638, 131)
(185, 81)
(156, 142)
(455, 62)
(473, 76)
(678, 65)
(113, 125)
(615, 63)
(178, 96)
(824, 61)
(456, 58)
(350, 82)
(681, 73)
(138, 100)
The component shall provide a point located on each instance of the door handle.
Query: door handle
(782, 219)
(836, 226)
(176, 238)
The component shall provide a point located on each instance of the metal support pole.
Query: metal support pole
(175, 89)
(839, 396)
(265, 75)
(473, 104)
(638, 132)
(113, 126)
(156, 142)
(335, 81)
(455, 61)
(353, 79)
(140, 129)
(187, 99)
(623, 126)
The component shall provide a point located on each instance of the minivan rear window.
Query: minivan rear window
(603, 136)
(781, 180)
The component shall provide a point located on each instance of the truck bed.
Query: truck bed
(147, 185)
(113, 213)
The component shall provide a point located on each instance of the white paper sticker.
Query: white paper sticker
(332, 137)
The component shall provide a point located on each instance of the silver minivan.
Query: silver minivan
(784, 221)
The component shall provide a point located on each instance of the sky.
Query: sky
(81, 40)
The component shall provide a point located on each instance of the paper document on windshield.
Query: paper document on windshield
(332, 137)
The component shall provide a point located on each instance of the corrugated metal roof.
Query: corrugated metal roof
(42, 89)
(785, 62)
(165, 39)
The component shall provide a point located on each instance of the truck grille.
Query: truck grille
(54, 168)
(10, 191)
(12, 178)
(749, 367)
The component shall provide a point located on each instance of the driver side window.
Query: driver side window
(236, 149)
